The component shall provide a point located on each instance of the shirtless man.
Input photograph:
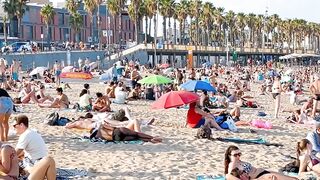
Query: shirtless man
(61, 102)
(315, 91)
(14, 70)
(57, 72)
(134, 76)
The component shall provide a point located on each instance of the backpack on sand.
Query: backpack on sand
(204, 132)
(51, 119)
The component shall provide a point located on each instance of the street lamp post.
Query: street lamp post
(155, 37)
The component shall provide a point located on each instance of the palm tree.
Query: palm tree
(114, 11)
(5, 19)
(166, 10)
(72, 6)
(90, 6)
(135, 14)
(115, 7)
(175, 18)
(195, 11)
(231, 22)
(219, 19)
(9, 6)
(76, 22)
(207, 16)
(151, 11)
(251, 18)
(241, 24)
(182, 12)
(21, 5)
(47, 13)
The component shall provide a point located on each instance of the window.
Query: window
(129, 25)
(129, 35)
(60, 18)
(41, 29)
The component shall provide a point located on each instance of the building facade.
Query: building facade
(33, 27)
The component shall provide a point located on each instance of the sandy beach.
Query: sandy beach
(180, 156)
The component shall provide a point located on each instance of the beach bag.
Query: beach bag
(51, 118)
(62, 121)
(204, 132)
(292, 167)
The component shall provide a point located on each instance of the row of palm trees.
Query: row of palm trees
(199, 23)
(210, 25)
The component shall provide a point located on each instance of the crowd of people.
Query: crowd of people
(232, 87)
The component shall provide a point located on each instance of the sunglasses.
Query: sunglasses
(237, 154)
(15, 125)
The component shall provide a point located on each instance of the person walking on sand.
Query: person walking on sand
(57, 72)
(14, 70)
(315, 91)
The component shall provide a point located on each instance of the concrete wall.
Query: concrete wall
(43, 59)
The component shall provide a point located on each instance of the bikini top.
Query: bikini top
(247, 167)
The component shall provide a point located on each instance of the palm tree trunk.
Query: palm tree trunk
(181, 34)
(197, 30)
(137, 29)
(98, 27)
(170, 34)
(164, 28)
(5, 30)
(120, 27)
(146, 30)
(19, 27)
(48, 37)
(175, 31)
(150, 26)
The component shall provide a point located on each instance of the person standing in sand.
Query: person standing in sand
(14, 70)
(57, 72)
(315, 91)
(276, 91)
(6, 109)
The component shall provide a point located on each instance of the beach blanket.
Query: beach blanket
(206, 177)
(65, 174)
(249, 141)
(101, 141)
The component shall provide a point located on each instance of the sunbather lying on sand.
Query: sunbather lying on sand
(116, 120)
(235, 169)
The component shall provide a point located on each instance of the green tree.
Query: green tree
(90, 6)
(10, 7)
(21, 5)
(182, 13)
(72, 6)
(47, 13)
(207, 16)
(166, 10)
(76, 22)
(136, 15)
(195, 11)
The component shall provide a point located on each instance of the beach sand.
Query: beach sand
(180, 156)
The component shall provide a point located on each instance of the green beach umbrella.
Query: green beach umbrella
(155, 79)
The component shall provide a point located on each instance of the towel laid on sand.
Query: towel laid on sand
(206, 177)
(65, 174)
(249, 141)
(101, 141)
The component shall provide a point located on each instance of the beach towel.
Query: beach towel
(206, 177)
(101, 141)
(65, 174)
(248, 141)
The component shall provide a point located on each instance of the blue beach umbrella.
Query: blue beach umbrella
(197, 85)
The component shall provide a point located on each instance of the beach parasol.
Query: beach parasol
(38, 70)
(168, 70)
(197, 85)
(288, 72)
(286, 79)
(76, 75)
(165, 65)
(175, 99)
(155, 79)
(67, 69)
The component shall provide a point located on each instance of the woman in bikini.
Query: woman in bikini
(276, 90)
(232, 161)
(307, 160)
